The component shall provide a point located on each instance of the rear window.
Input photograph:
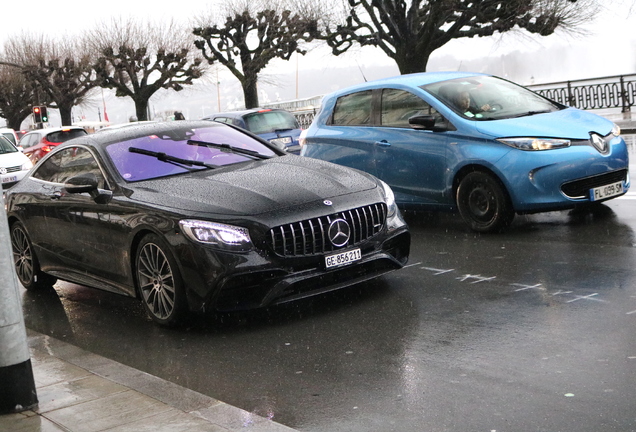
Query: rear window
(10, 137)
(270, 121)
(65, 135)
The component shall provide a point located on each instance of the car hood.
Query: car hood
(253, 188)
(12, 159)
(569, 123)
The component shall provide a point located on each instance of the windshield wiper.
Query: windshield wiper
(529, 113)
(171, 159)
(230, 149)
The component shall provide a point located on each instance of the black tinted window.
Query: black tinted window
(65, 135)
(353, 109)
(68, 163)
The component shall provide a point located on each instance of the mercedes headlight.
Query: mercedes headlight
(224, 236)
(532, 144)
(389, 198)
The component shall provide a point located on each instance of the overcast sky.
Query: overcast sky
(609, 49)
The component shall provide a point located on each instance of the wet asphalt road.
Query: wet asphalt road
(530, 330)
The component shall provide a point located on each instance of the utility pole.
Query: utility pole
(16, 373)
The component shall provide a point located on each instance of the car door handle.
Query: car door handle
(56, 195)
(383, 143)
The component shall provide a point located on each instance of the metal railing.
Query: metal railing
(618, 91)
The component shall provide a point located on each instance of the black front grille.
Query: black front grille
(13, 169)
(310, 237)
(581, 188)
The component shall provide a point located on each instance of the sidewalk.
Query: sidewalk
(82, 392)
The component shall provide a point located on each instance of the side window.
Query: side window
(28, 140)
(353, 109)
(399, 105)
(68, 163)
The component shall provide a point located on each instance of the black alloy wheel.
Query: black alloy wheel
(26, 263)
(159, 282)
(483, 202)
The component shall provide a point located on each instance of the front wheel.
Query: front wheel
(483, 203)
(159, 282)
(27, 266)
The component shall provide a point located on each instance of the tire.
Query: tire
(483, 202)
(159, 282)
(27, 266)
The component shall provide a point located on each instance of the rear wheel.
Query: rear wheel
(160, 285)
(26, 263)
(483, 202)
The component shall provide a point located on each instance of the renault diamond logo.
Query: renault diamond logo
(339, 232)
(599, 142)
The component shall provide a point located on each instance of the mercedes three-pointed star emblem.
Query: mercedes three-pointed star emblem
(339, 232)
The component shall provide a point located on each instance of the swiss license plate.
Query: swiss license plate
(9, 179)
(343, 258)
(606, 191)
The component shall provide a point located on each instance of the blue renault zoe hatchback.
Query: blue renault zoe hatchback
(471, 142)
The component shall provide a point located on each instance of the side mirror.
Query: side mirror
(88, 183)
(81, 183)
(431, 122)
(426, 122)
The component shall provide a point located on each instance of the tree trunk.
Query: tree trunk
(141, 109)
(250, 92)
(65, 115)
(409, 62)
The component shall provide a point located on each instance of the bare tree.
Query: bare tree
(409, 31)
(60, 70)
(139, 58)
(253, 34)
(16, 94)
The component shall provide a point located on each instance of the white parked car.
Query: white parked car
(13, 163)
(10, 134)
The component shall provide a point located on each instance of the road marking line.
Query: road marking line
(479, 278)
(524, 287)
(437, 271)
(587, 297)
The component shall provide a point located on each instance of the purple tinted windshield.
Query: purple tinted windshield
(136, 167)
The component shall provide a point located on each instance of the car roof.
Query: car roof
(413, 80)
(234, 114)
(55, 129)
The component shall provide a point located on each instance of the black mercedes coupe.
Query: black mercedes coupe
(195, 215)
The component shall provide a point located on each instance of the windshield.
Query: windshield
(489, 98)
(270, 121)
(138, 165)
(6, 146)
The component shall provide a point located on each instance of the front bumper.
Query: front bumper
(225, 282)
(552, 180)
